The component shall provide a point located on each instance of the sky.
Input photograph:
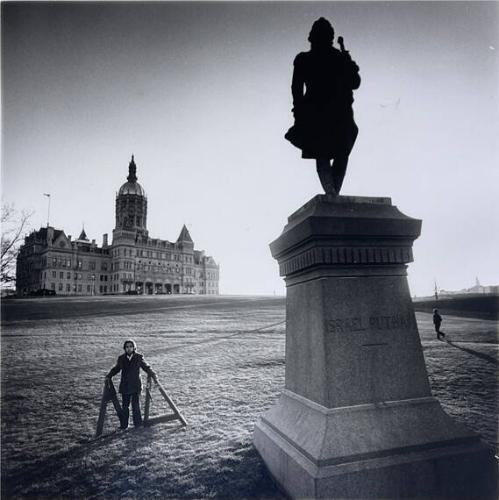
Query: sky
(200, 94)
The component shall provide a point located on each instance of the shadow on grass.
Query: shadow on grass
(70, 461)
(238, 473)
(263, 363)
(481, 355)
(243, 475)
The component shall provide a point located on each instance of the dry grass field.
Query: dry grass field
(222, 361)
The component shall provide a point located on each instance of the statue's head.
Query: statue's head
(322, 33)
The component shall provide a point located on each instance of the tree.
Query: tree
(14, 224)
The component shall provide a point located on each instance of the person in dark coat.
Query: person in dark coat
(437, 321)
(130, 364)
(324, 126)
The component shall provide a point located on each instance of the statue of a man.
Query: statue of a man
(324, 127)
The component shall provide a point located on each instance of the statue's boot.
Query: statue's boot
(326, 177)
(339, 169)
(338, 182)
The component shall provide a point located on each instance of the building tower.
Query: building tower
(131, 204)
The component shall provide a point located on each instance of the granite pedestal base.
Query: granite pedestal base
(357, 418)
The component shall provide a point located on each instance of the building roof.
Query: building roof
(132, 186)
(184, 235)
(83, 236)
(41, 234)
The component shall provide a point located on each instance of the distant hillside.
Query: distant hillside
(482, 305)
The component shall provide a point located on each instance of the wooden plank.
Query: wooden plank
(161, 418)
(117, 406)
(148, 400)
(108, 394)
(171, 403)
(113, 397)
(102, 412)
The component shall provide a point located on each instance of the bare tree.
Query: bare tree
(14, 224)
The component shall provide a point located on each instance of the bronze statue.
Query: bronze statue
(324, 127)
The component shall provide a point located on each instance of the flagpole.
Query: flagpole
(48, 210)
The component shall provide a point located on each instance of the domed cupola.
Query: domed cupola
(131, 203)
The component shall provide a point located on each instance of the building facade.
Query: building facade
(134, 262)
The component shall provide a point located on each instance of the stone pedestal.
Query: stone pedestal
(356, 418)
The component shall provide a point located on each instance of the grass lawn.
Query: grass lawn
(222, 361)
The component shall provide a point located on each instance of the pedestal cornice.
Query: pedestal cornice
(345, 230)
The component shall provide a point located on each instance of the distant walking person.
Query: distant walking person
(437, 321)
(323, 82)
(130, 364)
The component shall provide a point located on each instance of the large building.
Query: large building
(134, 262)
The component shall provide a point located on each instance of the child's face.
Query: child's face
(129, 348)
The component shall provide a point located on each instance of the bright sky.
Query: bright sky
(200, 93)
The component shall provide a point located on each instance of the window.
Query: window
(60, 287)
(68, 276)
(88, 288)
(54, 274)
(52, 286)
(61, 275)
(80, 264)
(54, 262)
(68, 287)
(92, 266)
(79, 288)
